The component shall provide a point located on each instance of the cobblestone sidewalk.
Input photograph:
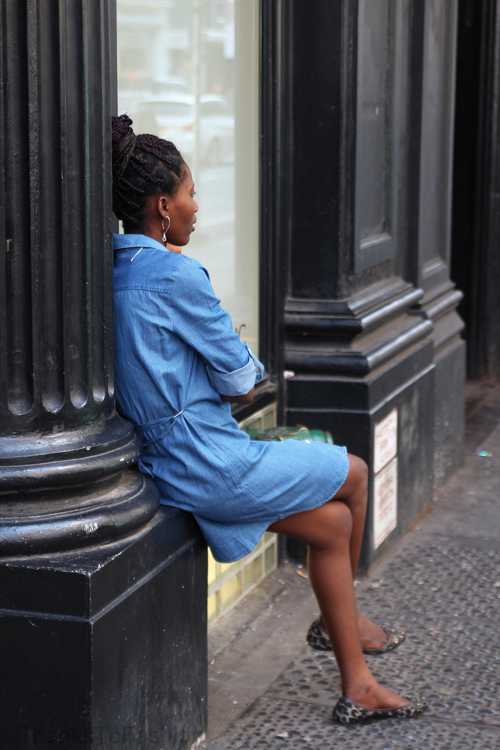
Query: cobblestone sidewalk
(442, 584)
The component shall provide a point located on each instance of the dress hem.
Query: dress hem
(331, 494)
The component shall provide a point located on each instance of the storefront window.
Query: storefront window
(188, 71)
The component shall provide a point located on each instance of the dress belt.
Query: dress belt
(168, 421)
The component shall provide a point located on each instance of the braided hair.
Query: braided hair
(143, 165)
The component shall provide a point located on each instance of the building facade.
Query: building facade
(331, 251)
(346, 160)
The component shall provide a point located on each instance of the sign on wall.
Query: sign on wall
(385, 464)
(385, 516)
(386, 441)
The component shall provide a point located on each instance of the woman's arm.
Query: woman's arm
(199, 320)
(246, 398)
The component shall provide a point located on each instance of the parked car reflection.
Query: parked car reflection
(173, 118)
(133, 89)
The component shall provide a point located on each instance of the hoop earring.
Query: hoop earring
(164, 235)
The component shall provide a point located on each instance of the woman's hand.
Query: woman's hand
(246, 398)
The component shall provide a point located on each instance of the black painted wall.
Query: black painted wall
(476, 183)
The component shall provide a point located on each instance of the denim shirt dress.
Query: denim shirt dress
(175, 352)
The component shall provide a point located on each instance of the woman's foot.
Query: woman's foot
(373, 695)
(349, 712)
(371, 636)
(318, 638)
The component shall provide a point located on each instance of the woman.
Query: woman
(178, 366)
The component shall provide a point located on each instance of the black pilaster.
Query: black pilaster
(355, 337)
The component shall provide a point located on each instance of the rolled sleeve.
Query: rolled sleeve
(240, 381)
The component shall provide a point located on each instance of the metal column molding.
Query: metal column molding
(64, 452)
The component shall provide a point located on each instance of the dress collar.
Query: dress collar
(128, 241)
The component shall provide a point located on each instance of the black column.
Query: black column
(102, 593)
(64, 452)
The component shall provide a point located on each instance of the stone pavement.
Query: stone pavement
(441, 583)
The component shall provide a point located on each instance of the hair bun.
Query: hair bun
(121, 128)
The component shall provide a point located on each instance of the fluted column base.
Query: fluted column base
(73, 489)
(61, 520)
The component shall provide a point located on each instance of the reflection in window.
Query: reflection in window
(188, 72)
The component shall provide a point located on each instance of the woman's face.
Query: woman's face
(182, 209)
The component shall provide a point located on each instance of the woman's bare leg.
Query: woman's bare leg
(354, 493)
(328, 532)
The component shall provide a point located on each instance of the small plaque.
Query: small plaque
(386, 441)
(385, 506)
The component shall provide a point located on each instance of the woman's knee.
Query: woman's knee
(320, 528)
(359, 470)
(334, 525)
(355, 488)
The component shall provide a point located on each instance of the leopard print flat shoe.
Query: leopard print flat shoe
(318, 639)
(347, 712)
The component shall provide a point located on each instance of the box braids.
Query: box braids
(143, 165)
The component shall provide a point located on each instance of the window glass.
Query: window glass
(188, 72)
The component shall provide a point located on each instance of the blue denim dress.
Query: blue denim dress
(175, 352)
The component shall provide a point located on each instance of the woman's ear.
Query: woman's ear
(163, 206)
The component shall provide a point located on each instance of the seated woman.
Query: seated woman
(179, 364)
